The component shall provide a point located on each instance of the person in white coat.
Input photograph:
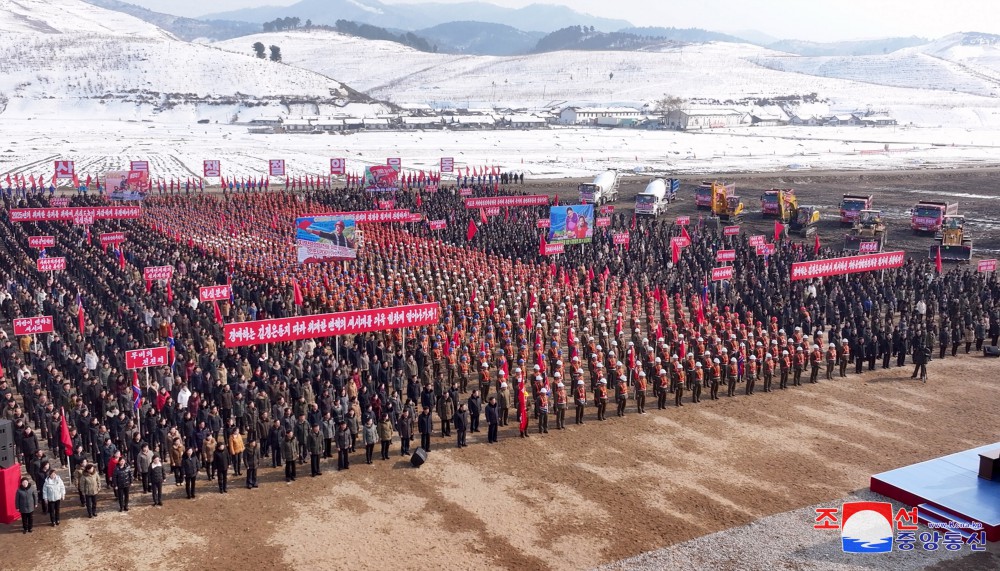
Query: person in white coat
(53, 492)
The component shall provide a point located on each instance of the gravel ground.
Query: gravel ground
(788, 541)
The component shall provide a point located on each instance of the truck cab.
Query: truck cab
(778, 203)
(703, 196)
(852, 205)
(928, 216)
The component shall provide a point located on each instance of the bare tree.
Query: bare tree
(667, 103)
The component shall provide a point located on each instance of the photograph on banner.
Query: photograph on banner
(326, 238)
(381, 178)
(127, 185)
(571, 224)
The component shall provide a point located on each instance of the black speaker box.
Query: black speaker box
(6, 433)
(6, 456)
(418, 458)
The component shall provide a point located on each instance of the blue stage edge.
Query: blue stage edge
(947, 489)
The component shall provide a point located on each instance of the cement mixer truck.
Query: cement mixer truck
(604, 189)
(654, 199)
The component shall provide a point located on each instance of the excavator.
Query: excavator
(804, 221)
(955, 245)
(779, 203)
(868, 235)
(726, 205)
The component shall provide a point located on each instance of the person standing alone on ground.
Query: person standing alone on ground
(25, 501)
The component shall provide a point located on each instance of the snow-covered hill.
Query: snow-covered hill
(909, 85)
(66, 56)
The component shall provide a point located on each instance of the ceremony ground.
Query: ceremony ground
(573, 499)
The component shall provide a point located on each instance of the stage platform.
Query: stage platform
(947, 489)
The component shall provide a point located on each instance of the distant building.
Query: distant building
(591, 115)
(878, 121)
(329, 125)
(297, 125)
(524, 121)
(842, 120)
(710, 118)
(266, 122)
(421, 122)
(378, 123)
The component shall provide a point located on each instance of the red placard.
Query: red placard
(215, 293)
(499, 201)
(374, 216)
(59, 201)
(415, 217)
(681, 241)
(51, 264)
(725, 256)
(64, 169)
(465, 192)
(848, 265)
(603, 222)
(276, 167)
(731, 231)
(543, 223)
(387, 204)
(758, 240)
(41, 242)
(33, 325)
(394, 162)
(330, 324)
(154, 273)
(447, 164)
(139, 166)
(142, 358)
(557, 248)
(765, 249)
(722, 273)
(83, 217)
(987, 266)
(868, 247)
(494, 211)
(619, 238)
(607, 209)
(683, 220)
(111, 238)
(338, 166)
(438, 224)
(69, 213)
(431, 188)
(212, 168)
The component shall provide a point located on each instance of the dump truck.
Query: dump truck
(803, 223)
(868, 235)
(955, 245)
(928, 216)
(604, 189)
(779, 203)
(703, 196)
(726, 204)
(852, 204)
(654, 199)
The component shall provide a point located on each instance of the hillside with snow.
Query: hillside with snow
(68, 57)
(908, 84)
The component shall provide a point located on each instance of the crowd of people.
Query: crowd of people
(522, 338)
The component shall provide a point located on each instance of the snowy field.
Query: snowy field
(177, 150)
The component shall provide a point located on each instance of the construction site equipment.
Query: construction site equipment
(852, 204)
(604, 189)
(703, 196)
(928, 216)
(868, 235)
(654, 199)
(955, 245)
(779, 203)
(726, 204)
(804, 221)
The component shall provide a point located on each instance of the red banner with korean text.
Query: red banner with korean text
(41, 242)
(74, 213)
(33, 325)
(986, 266)
(214, 293)
(111, 238)
(731, 231)
(725, 256)
(142, 358)
(722, 273)
(51, 264)
(154, 273)
(330, 324)
(552, 249)
(500, 201)
(847, 265)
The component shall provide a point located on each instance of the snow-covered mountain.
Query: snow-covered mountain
(67, 56)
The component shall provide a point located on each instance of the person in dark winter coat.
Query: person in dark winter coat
(157, 475)
(344, 442)
(405, 432)
(492, 420)
(425, 425)
(25, 501)
(189, 468)
(123, 482)
(461, 422)
(220, 460)
(251, 457)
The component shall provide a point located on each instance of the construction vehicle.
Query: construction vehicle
(954, 244)
(803, 223)
(604, 189)
(726, 204)
(928, 216)
(779, 203)
(654, 199)
(852, 204)
(868, 235)
(703, 196)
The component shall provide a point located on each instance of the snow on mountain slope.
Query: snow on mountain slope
(715, 71)
(977, 52)
(66, 56)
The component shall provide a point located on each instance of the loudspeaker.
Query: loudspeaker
(6, 443)
(418, 458)
(991, 351)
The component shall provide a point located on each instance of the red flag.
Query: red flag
(149, 286)
(541, 246)
(816, 244)
(778, 229)
(506, 213)
(633, 221)
(218, 314)
(170, 293)
(64, 437)
(420, 201)
(482, 215)
(522, 406)
(685, 235)
(81, 317)
(555, 200)
(1, 371)
(675, 252)
(121, 259)
(296, 292)
(471, 232)
(937, 260)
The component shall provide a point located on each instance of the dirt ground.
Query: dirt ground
(570, 499)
